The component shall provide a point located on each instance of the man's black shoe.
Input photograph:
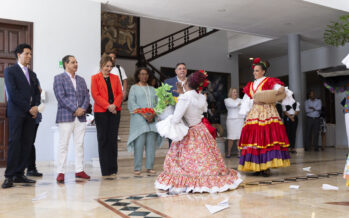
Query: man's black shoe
(8, 183)
(34, 173)
(22, 179)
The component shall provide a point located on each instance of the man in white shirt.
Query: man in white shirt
(291, 121)
(312, 110)
(73, 100)
(120, 72)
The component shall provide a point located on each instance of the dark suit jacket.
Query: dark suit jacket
(173, 81)
(21, 95)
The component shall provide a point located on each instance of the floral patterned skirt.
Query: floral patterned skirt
(263, 142)
(196, 164)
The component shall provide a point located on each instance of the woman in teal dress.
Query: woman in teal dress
(142, 124)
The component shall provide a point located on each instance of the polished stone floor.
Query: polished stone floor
(131, 196)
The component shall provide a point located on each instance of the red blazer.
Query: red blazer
(99, 92)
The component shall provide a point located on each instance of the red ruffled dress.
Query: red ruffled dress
(263, 143)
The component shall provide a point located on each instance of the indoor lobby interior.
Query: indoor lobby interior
(299, 38)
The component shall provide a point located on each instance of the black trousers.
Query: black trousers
(21, 135)
(107, 136)
(312, 132)
(32, 157)
(291, 130)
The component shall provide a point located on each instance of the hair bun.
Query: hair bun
(267, 64)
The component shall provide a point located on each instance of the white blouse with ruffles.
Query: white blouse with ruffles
(189, 112)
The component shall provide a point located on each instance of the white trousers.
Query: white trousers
(76, 128)
(346, 116)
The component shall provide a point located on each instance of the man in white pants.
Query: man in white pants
(73, 99)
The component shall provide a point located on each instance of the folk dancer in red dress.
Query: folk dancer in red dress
(263, 143)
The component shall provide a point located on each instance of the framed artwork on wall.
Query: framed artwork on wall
(120, 34)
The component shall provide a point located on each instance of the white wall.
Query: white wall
(73, 27)
(150, 30)
(60, 28)
(318, 59)
(209, 53)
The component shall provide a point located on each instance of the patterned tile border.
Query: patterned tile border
(130, 206)
(293, 179)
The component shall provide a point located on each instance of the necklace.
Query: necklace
(147, 95)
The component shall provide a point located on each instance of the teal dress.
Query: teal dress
(137, 98)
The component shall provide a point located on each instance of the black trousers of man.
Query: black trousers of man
(291, 130)
(312, 132)
(21, 135)
(32, 158)
(107, 136)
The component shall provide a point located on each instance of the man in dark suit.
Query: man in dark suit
(22, 109)
(181, 76)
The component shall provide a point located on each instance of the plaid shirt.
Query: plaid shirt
(70, 99)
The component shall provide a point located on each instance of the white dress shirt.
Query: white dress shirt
(116, 71)
(190, 106)
(182, 82)
(73, 79)
(22, 67)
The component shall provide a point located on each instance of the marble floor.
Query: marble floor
(131, 196)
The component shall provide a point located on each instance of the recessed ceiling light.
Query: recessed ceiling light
(222, 10)
(251, 59)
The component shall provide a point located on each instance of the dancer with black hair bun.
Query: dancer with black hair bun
(263, 142)
(194, 162)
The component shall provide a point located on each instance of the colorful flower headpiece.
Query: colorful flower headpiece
(258, 61)
(205, 83)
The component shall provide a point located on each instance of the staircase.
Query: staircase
(170, 43)
(124, 127)
(148, 53)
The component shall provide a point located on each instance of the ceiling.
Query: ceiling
(270, 18)
(273, 19)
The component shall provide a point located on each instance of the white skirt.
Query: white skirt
(234, 127)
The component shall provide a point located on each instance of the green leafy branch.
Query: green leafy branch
(337, 33)
(165, 98)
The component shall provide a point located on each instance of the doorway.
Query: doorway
(12, 33)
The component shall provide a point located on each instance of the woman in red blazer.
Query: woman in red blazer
(107, 94)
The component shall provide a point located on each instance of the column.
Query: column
(234, 75)
(297, 82)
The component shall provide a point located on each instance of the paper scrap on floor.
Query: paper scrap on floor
(329, 187)
(216, 208)
(294, 186)
(307, 169)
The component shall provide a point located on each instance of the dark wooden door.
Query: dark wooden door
(12, 33)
